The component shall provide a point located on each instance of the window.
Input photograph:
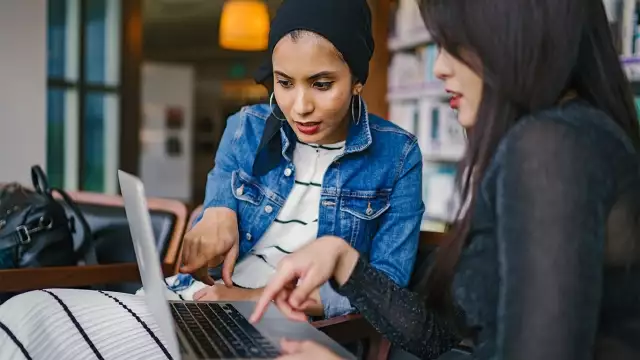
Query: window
(83, 97)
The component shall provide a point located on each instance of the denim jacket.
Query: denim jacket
(371, 195)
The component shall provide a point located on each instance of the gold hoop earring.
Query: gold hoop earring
(353, 113)
(271, 107)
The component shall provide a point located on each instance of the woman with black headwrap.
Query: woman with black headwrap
(311, 163)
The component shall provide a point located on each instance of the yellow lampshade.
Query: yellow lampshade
(244, 25)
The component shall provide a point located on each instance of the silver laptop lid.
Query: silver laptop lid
(135, 205)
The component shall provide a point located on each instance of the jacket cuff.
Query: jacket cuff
(333, 303)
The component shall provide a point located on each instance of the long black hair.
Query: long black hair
(530, 53)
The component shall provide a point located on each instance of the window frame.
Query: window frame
(74, 172)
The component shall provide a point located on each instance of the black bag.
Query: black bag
(35, 230)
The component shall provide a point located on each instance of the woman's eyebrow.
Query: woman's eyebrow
(315, 76)
(277, 72)
(321, 74)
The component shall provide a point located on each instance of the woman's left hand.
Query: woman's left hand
(305, 350)
(221, 292)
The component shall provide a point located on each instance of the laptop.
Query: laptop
(205, 330)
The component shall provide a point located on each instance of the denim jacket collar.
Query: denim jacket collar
(359, 136)
(272, 146)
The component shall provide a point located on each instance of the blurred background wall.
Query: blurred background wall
(23, 104)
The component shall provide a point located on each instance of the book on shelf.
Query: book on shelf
(440, 136)
(624, 21)
(414, 70)
(407, 20)
(438, 192)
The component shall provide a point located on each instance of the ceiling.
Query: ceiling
(187, 31)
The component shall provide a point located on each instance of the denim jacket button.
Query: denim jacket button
(287, 172)
(268, 209)
(248, 236)
(240, 190)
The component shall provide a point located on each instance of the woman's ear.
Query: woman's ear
(357, 89)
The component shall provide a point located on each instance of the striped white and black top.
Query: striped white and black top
(297, 223)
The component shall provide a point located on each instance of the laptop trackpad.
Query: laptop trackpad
(275, 327)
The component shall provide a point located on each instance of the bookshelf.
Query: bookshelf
(427, 89)
(419, 37)
(631, 65)
(418, 102)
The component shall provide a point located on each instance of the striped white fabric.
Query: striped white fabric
(78, 324)
(297, 223)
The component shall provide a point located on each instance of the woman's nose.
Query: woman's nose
(441, 67)
(303, 104)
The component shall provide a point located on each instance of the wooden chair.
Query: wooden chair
(97, 208)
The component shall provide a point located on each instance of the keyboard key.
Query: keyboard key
(240, 325)
(264, 343)
(237, 341)
(212, 334)
(221, 331)
(183, 328)
(200, 336)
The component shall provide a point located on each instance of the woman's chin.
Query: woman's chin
(309, 138)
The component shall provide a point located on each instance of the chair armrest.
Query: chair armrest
(346, 328)
(319, 324)
(18, 280)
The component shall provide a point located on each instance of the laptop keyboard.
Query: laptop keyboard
(219, 331)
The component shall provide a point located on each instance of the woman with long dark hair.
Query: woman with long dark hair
(313, 160)
(543, 262)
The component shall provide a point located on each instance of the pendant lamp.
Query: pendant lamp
(244, 25)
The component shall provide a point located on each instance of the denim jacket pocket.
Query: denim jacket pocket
(245, 188)
(360, 213)
(250, 195)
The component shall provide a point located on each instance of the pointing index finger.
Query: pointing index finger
(277, 284)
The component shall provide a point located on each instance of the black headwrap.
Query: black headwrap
(345, 23)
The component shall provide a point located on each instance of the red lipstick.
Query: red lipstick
(309, 128)
(454, 100)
